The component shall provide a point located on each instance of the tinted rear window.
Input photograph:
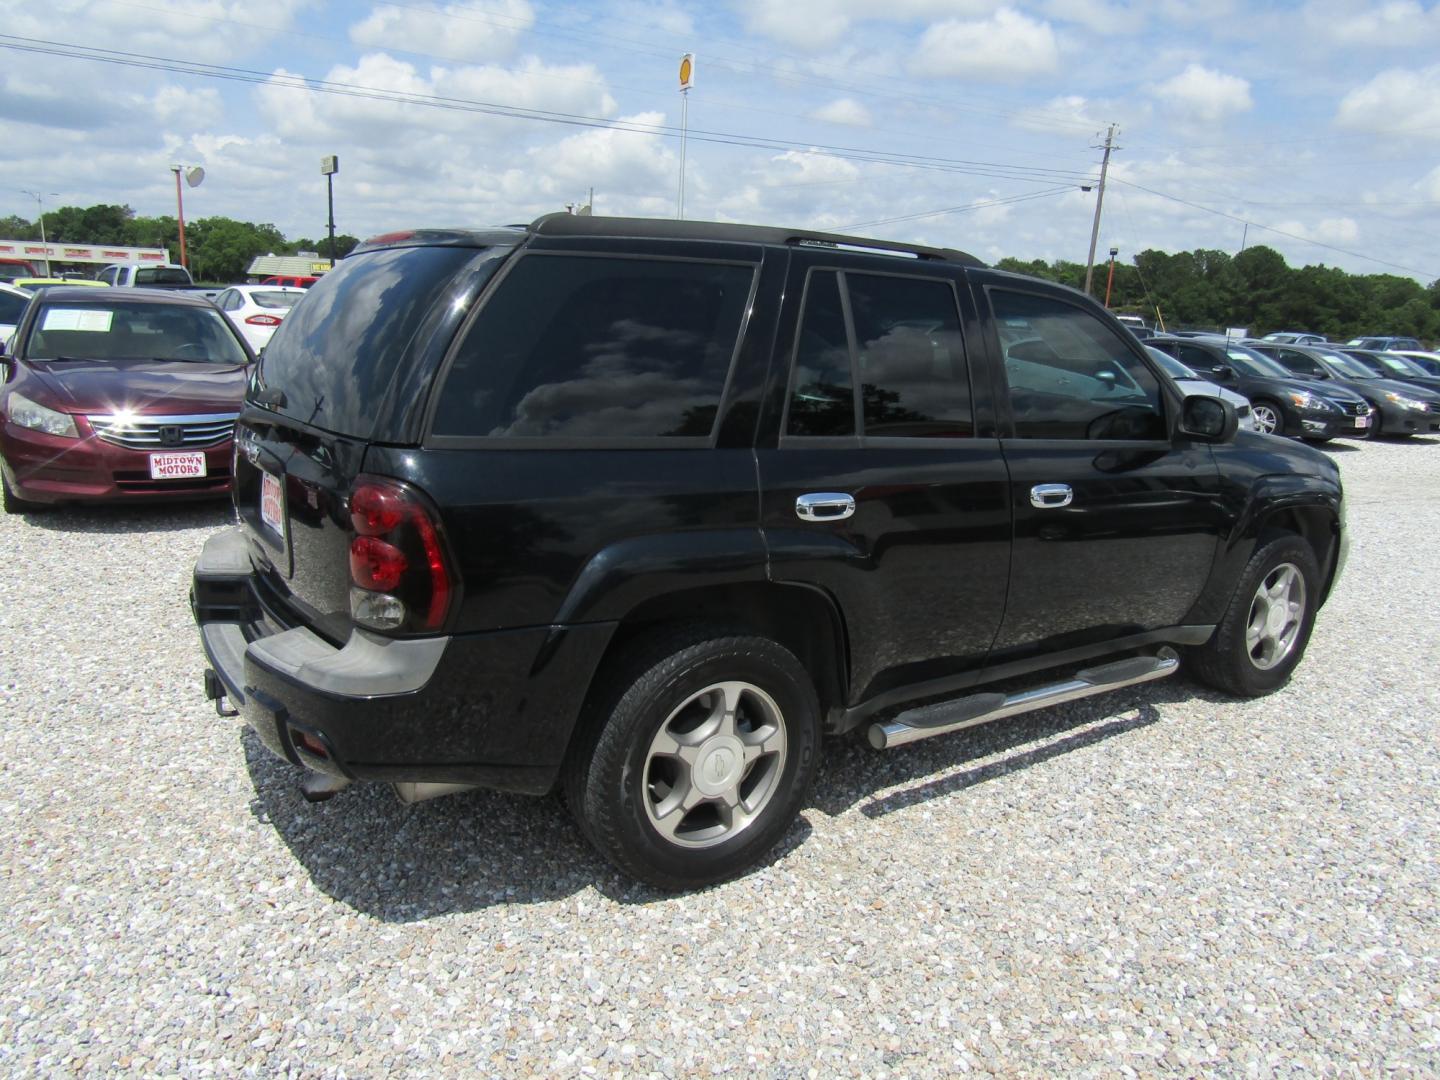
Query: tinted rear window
(161, 275)
(597, 348)
(335, 355)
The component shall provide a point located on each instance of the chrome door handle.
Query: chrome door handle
(1051, 496)
(825, 506)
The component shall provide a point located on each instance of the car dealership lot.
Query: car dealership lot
(1162, 880)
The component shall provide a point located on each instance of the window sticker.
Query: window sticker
(93, 320)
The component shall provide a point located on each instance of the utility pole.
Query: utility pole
(1099, 202)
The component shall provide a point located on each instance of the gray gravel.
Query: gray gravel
(1158, 882)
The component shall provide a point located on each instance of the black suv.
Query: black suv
(640, 509)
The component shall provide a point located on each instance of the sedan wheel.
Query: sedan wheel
(1267, 418)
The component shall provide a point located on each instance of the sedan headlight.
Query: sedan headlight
(27, 414)
(1405, 402)
(1303, 399)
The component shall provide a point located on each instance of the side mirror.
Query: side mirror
(1208, 419)
(1223, 372)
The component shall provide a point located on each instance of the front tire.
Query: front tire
(1263, 634)
(1268, 417)
(697, 759)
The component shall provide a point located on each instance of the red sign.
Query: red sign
(78, 253)
(36, 251)
(145, 257)
(114, 255)
(7, 247)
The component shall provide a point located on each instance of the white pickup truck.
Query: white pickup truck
(161, 276)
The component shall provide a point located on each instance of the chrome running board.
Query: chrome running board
(915, 724)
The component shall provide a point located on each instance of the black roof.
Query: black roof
(563, 224)
(80, 294)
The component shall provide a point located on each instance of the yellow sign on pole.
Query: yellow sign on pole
(687, 71)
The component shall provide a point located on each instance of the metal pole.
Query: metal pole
(330, 192)
(39, 206)
(180, 212)
(1099, 202)
(684, 130)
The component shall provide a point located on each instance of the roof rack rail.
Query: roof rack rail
(564, 224)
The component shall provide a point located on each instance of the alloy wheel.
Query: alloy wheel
(1266, 418)
(1276, 614)
(714, 765)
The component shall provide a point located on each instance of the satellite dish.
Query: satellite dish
(194, 176)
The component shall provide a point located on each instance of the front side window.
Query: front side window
(1070, 376)
(597, 348)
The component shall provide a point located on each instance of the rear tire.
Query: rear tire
(1263, 633)
(696, 759)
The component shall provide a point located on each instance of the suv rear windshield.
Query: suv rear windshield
(334, 356)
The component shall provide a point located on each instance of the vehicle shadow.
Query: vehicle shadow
(461, 853)
(468, 852)
(131, 518)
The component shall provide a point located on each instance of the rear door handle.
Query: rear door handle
(825, 506)
(1051, 496)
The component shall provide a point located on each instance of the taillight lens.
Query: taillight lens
(263, 320)
(398, 567)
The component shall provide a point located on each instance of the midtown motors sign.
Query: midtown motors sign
(81, 253)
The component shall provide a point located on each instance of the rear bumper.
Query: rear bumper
(493, 709)
(49, 469)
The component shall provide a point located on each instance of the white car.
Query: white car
(12, 303)
(1191, 383)
(257, 310)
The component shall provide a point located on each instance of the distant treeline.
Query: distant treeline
(219, 249)
(1257, 290)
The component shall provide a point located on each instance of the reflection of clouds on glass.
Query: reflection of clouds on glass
(631, 385)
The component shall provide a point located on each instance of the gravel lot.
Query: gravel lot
(1159, 881)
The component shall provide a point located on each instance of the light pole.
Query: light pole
(193, 175)
(40, 210)
(1109, 281)
(329, 166)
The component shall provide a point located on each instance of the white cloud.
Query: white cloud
(1008, 46)
(820, 24)
(1098, 15)
(1062, 115)
(1395, 99)
(1342, 230)
(843, 111)
(1396, 24)
(1203, 94)
(487, 31)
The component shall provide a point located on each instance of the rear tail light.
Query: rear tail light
(262, 320)
(400, 574)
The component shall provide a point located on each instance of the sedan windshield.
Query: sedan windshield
(1346, 366)
(1400, 365)
(1253, 363)
(134, 331)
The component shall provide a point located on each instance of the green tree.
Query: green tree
(221, 249)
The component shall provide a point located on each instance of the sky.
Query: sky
(1313, 127)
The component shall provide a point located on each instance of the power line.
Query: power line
(959, 209)
(998, 170)
(1271, 228)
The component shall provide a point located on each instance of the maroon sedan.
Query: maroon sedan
(129, 394)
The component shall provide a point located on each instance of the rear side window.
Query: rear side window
(334, 356)
(161, 275)
(909, 359)
(597, 348)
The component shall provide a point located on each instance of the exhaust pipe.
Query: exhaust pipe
(318, 786)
